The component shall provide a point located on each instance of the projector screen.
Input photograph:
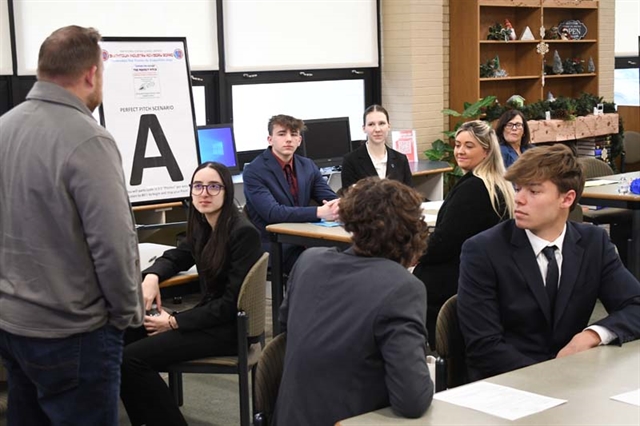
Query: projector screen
(255, 104)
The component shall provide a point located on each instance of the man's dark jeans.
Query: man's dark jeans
(66, 381)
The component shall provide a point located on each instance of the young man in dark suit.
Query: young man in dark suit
(279, 185)
(528, 286)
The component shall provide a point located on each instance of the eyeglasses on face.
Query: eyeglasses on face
(514, 126)
(212, 188)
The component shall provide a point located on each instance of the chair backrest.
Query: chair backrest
(252, 298)
(450, 344)
(267, 379)
(631, 147)
(595, 168)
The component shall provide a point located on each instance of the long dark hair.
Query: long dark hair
(502, 122)
(210, 245)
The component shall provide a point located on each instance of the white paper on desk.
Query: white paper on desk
(599, 182)
(632, 397)
(432, 205)
(497, 400)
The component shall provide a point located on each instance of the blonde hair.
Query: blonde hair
(491, 169)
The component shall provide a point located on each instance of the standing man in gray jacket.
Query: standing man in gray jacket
(69, 267)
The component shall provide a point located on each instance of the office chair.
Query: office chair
(619, 220)
(267, 380)
(251, 330)
(631, 152)
(451, 366)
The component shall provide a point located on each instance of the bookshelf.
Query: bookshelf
(469, 48)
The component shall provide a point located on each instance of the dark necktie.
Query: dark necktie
(288, 172)
(553, 274)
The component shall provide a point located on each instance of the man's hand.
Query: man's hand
(329, 209)
(151, 291)
(581, 342)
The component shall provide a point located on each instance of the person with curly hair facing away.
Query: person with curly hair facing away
(355, 320)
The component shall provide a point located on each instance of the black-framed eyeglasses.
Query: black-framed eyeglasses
(212, 188)
(514, 126)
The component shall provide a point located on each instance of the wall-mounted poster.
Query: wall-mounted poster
(148, 108)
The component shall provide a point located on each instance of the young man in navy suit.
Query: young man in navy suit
(528, 286)
(279, 185)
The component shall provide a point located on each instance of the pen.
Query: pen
(153, 258)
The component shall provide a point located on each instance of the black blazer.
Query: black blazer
(244, 250)
(466, 211)
(503, 308)
(358, 165)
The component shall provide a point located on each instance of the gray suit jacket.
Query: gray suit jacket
(355, 339)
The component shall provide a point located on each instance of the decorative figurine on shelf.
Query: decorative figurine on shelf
(565, 34)
(591, 67)
(573, 66)
(516, 100)
(552, 34)
(498, 32)
(527, 34)
(557, 63)
(491, 69)
(510, 31)
(550, 96)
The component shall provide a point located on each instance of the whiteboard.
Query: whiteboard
(255, 104)
(148, 108)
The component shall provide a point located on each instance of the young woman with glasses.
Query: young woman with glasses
(513, 135)
(223, 245)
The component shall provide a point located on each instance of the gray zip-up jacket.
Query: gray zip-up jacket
(68, 247)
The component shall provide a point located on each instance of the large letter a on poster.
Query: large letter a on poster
(166, 159)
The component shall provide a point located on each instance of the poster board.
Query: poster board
(148, 108)
(404, 141)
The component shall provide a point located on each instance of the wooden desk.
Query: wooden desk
(607, 195)
(310, 235)
(586, 380)
(148, 254)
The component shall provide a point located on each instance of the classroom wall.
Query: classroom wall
(606, 44)
(413, 55)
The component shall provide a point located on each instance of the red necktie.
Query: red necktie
(288, 172)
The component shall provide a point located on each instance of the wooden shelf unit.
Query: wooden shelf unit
(469, 48)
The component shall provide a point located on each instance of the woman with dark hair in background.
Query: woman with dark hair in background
(375, 158)
(224, 246)
(514, 136)
(481, 199)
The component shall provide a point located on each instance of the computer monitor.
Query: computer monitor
(327, 140)
(216, 143)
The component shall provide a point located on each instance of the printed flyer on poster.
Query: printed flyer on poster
(148, 108)
(404, 141)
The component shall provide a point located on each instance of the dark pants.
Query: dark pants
(144, 393)
(65, 381)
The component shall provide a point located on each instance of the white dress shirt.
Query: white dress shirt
(537, 244)
(380, 165)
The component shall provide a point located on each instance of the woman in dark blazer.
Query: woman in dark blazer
(224, 246)
(481, 199)
(375, 158)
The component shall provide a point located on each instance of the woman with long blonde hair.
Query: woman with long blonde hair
(481, 199)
